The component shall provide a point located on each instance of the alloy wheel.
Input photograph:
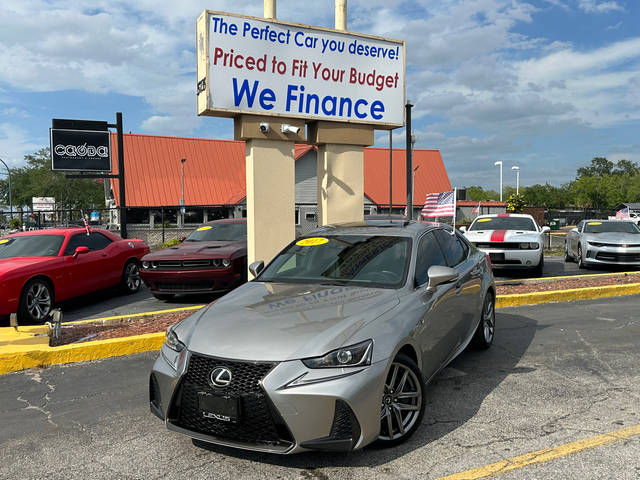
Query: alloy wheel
(38, 301)
(132, 277)
(401, 402)
(489, 320)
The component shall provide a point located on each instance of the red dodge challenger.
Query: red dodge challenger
(42, 267)
(213, 258)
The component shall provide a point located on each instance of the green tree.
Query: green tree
(626, 167)
(35, 179)
(478, 194)
(599, 166)
(515, 203)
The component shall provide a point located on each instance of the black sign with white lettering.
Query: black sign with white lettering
(81, 150)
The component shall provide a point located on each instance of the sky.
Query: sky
(542, 84)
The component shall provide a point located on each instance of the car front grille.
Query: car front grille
(187, 264)
(202, 285)
(258, 422)
(499, 245)
(618, 257)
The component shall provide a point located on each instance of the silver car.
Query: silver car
(331, 346)
(603, 242)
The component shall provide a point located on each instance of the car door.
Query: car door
(467, 297)
(436, 331)
(87, 270)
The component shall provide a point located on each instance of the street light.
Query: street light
(182, 209)
(500, 163)
(9, 176)
(517, 169)
(413, 174)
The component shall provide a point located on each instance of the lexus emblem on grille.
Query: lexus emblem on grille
(220, 377)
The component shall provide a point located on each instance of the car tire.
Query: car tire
(163, 296)
(36, 301)
(485, 333)
(402, 405)
(567, 257)
(539, 269)
(580, 260)
(130, 281)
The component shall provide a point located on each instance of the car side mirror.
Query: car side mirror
(546, 229)
(80, 251)
(181, 239)
(463, 229)
(439, 275)
(574, 230)
(256, 267)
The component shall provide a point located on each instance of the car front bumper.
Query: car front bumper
(513, 258)
(190, 281)
(612, 256)
(335, 409)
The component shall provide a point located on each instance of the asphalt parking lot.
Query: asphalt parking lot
(557, 373)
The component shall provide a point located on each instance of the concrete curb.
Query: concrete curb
(569, 295)
(42, 356)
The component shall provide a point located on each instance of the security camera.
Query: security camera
(264, 127)
(286, 128)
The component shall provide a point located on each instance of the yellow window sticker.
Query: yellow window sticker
(312, 242)
(4, 241)
(484, 220)
(206, 227)
(594, 223)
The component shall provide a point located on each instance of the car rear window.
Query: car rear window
(31, 246)
(503, 223)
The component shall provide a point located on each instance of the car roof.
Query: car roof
(56, 231)
(226, 220)
(411, 228)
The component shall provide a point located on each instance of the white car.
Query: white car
(512, 240)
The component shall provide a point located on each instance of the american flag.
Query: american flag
(439, 205)
(623, 213)
(476, 209)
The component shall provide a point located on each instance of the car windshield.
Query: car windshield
(377, 261)
(31, 246)
(221, 232)
(601, 227)
(503, 223)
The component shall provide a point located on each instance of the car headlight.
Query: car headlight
(226, 262)
(146, 265)
(353, 356)
(534, 245)
(172, 341)
(524, 245)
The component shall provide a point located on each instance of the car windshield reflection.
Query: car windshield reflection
(31, 246)
(223, 232)
(615, 226)
(376, 261)
(503, 223)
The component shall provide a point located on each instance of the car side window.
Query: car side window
(94, 241)
(429, 253)
(453, 249)
(579, 227)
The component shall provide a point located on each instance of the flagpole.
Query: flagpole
(455, 204)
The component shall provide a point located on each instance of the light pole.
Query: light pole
(182, 162)
(517, 169)
(413, 173)
(500, 163)
(9, 176)
(413, 178)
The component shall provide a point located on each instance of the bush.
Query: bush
(515, 203)
(15, 224)
(171, 243)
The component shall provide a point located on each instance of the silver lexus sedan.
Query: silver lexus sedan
(332, 345)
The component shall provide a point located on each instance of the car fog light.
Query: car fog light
(226, 262)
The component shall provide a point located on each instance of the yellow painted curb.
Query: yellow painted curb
(563, 277)
(572, 294)
(79, 352)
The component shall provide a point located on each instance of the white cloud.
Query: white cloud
(15, 143)
(593, 6)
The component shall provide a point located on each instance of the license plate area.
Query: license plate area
(496, 257)
(223, 408)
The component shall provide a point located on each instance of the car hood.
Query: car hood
(277, 321)
(15, 263)
(502, 236)
(197, 249)
(613, 237)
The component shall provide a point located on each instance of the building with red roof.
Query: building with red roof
(214, 178)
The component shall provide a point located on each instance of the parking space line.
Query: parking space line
(545, 455)
(563, 277)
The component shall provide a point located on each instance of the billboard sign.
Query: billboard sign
(43, 204)
(80, 150)
(249, 65)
